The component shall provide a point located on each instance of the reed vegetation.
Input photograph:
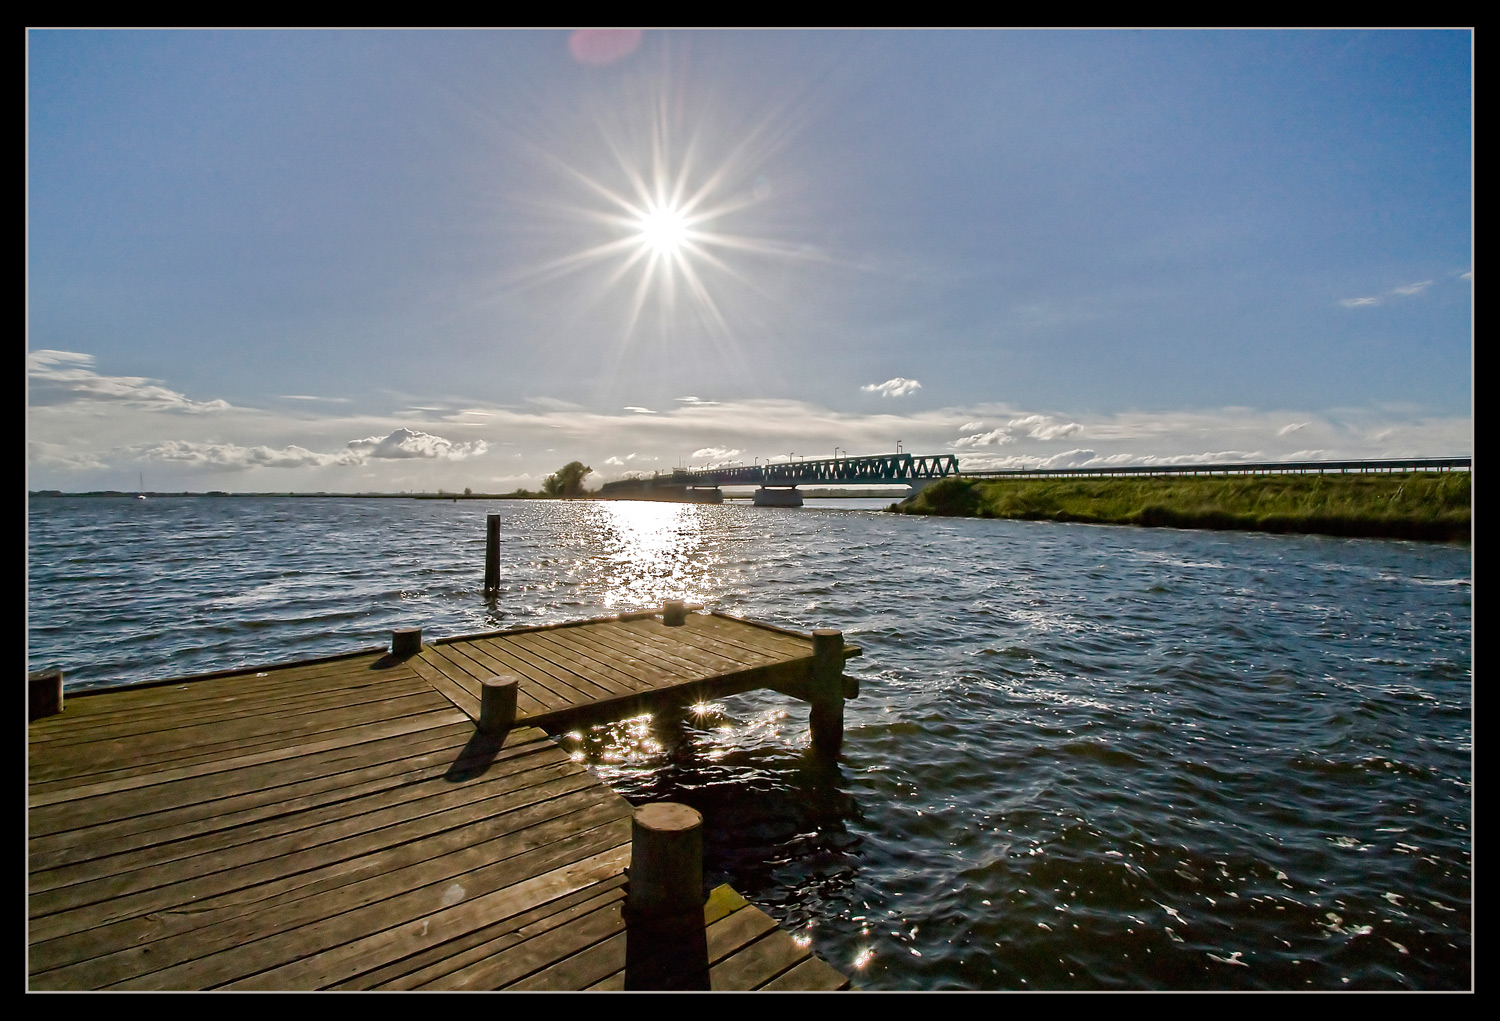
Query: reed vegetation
(1414, 505)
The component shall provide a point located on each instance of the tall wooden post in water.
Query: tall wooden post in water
(492, 552)
(826, 720)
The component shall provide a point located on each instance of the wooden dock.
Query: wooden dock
(342, 824)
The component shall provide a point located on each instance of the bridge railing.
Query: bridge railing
(1397, 464)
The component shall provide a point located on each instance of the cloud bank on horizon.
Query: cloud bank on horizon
(100, 439)
(384, 261)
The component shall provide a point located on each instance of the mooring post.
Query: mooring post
(665, 942)
(406, 641)
(826, 720)
(674, 613)
(491, 552)
(44, 694)
(497, 704)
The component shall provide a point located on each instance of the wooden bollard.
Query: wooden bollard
(674, 613)
(666, 860)
(406, 641)
(665, 942)
(44, 694)
(826, 720)
(497, 704)
(491, 552)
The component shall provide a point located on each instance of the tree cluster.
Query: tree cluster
(567, 480)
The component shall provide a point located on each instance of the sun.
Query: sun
(665, 212)
(664, 230)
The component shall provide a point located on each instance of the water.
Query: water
(1083, 757)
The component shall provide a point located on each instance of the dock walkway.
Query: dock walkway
(341, 823)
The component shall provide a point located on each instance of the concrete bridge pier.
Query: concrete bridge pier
(779, 497)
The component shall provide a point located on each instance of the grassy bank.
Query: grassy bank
(1418, 505)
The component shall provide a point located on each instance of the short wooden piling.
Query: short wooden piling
(826, 719)
(491, 552)
(665, 943)
(497, 704)
(44, 694)
(674, 613)
(406, 641)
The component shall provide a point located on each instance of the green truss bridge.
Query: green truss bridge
(778, 480)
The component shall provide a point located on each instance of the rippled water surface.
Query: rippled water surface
(1083, 757)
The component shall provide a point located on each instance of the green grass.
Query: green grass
(1418, 505)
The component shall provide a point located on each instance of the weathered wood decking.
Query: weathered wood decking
(340, 824)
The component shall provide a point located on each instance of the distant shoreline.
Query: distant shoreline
(45, 494)
(1411, 505)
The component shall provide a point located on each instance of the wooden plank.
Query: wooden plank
(212, 740)
(64, 831)
(138, 697)
(744, 655)
(350, 854)
(555, 650)
(391, 890)
(572, 647)
(664, 652)
(812, 975)
(649, 671)
(453, 692)
(156, 777)
(653, 635)
(221, 807)
(557, 959)
(567, 687)
(281, 697)
(290, 835)
(320, 953)
(735, 633)
(758, 963)
(538, 698)
(589, 966)
(433, 967)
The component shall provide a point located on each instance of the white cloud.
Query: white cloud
(405, 443)
(1044, 427)
(640, 411)
(715, 453)
(234, 457)
(62, 377)
(1409, 289)
(897, 387)
(695, 400)
(55, 455)
(971, 427)
(1359, 302)
(1287, 430)
(993, 438)
(614, 461)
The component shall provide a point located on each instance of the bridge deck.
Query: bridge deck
(338, 824)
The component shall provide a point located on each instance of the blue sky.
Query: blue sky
(408, 260)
